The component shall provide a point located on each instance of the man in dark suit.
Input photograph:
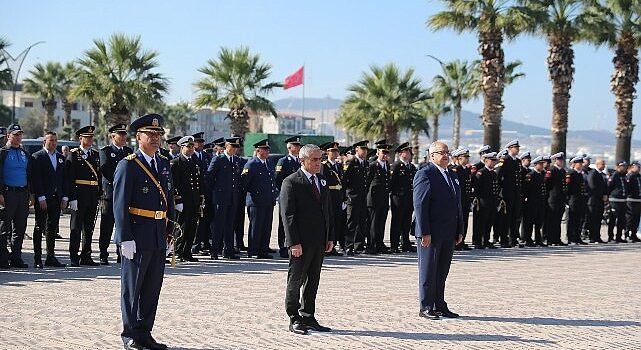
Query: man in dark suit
(110, 155)
(186, 173)
(143, 201)
(308, 220)
(50, 190)
(439, 226)
(286, 166)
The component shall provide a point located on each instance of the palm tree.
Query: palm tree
(560, 21)
(236, 79)
(458, 83)
(383, 102)
(6, 76)
(177, 116)
(493, 20)
(46, 82)
(123, 73)
(617, 24)
(70, 78)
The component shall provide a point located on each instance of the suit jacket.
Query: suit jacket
(437, 209)
(109, 157)
(134, 188)
(306, 220)
(45, 180)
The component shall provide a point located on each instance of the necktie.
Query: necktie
(153, 167)
(449, 182)
(312, 179)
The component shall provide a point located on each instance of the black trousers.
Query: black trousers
(595, 216)
(377, 218)
(402, 208)
(14, 224)
(204, 230)
(239, 225)
(553, 222)
(339, 218)
(281, 233)
(533, 216)
(500, 227)
(106, 227)
(188, 220)
(303, 274)
(260, 229)
(617, 219)
(82, 225)
(356, 224)
(486, 217)
(465, 210)
(224, 220)
(576, 214)
(47, 224)
(513, 218)
(632, 217)
(140, 284)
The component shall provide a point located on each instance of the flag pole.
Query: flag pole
(303, 112)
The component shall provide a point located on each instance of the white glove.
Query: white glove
(73, 205)
(343, 205)
(179, 207)
(128, 249)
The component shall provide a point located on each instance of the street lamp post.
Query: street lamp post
(15, 72)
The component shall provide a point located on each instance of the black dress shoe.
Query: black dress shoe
(429, 314)
(214, 257)
(133, 345)
(371, 252)
(88, 262)
(75, 263)
(53, 262)
(264, 256)
(349, 252)
(466, 247)
(582, 242)
(448, 314)
(188, 259)
(18, 264)
(530, 244)
(619, 240)
(4, 265)
(104, 261)
(478, 246)
(58, 236)
(270, 250)
(283, 253)
(395, 251)
(38, 264)
(231, 257)
(297, 326)
(311, 324)
(490, 245)
(151, 343)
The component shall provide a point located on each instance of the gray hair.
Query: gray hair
(306, 151)
(433, 146)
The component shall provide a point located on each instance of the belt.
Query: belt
(638, 200)
(337, 187)
(158, 215)
(86, 182)
(16, 189)
(617, 200)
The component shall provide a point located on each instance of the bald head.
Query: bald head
(439, 154)
(600, 164)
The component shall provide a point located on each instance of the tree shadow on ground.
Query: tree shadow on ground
(441, 337)
(549, 321)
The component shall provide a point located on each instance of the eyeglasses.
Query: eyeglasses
(442, 153)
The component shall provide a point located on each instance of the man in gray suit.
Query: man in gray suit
(307, 219)
(439, 226)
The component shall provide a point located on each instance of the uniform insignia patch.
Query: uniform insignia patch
(145, 189)
(113, 155)
(323, 182)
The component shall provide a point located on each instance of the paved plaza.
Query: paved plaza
(568, 297)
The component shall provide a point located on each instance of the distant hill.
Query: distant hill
(294, 104)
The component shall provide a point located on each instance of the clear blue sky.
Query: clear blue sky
(336, 39)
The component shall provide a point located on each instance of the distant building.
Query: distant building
(211, 122)
(27, 105)
(288, 123)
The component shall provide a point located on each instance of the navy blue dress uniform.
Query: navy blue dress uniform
(535, 196)
(510, 177)
(633, 203)
(333, 173)
(223, 177)
(476, 227)
(402, 207)
(241, 211)
(464, 174)
(83, 173)
(109, 157)
(618, 194)
(258, 180)
(557, 198)
(488, 195)
(597, 190)
(143, 201)
(15, 187)
(577, 202)
(378, 198)
(204, 231)
(285, 166)
(186, 173)
(49, 185)
(355, 181)
(173, 141)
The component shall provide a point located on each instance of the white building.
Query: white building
(288, 123)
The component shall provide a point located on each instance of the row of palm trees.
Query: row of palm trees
(613, 23)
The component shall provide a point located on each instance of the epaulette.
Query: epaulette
(131, 156)
(104, 148)
(324, 162)
(74, 149)
(346, 166)
(245, 171)
(163, 157)
(279, 168)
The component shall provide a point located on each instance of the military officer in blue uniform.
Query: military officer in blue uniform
(557, 198)
(633, 213)
(241, 209)
(577, 200)
(401, 194)
(378, 197)
(354, 178)
(110, 155)
(223, 178)
(219, 146)
(143, 201)
(286, 166)
(463, 170)
(535, 196)
(172, 144)
(84, 179)
(258, 180)
(204, 231)
(618, 191)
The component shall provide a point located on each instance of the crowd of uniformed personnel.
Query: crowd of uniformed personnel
(515, 200)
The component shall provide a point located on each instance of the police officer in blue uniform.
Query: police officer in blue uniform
(143, 201)
(223, 178)
(83, 172)
(110, 155)
(286, 166)
(204, 232)
(258, 180)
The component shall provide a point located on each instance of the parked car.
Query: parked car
(34, 145)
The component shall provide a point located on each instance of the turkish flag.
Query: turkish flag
(294, 79)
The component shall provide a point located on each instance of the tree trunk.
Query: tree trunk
(561, 72)
(238, 122)
(50, 107)
(456, 130)
(391, 136)
(415, 146)
(435, 126)
(622, 84)
(492, 67)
